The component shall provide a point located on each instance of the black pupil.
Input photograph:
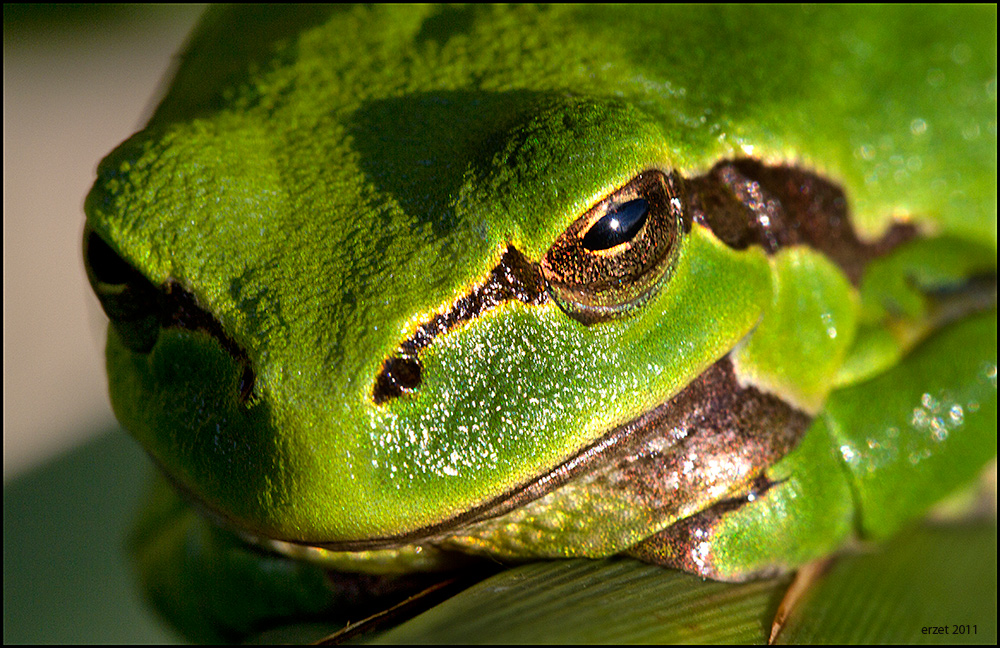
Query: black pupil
(617, 226)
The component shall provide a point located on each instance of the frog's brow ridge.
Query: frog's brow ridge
(514, 278)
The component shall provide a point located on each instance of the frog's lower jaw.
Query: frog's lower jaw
(706, 444)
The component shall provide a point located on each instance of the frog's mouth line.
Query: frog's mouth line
(714, 419)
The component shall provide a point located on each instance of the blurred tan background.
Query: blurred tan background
(77, 81)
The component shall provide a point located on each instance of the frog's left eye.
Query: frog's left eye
(612, 259)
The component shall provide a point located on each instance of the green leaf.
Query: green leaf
(933, 576)
(937, 577)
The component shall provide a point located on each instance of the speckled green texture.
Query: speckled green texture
(323, 198)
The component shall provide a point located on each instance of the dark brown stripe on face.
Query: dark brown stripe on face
(745, 202)
(513, 279)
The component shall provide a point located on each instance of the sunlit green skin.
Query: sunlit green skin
(376, 167)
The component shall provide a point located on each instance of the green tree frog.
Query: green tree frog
(398, 290)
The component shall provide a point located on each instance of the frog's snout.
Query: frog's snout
(139, 310)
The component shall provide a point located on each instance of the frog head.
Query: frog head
(399, 341)
(367, 293)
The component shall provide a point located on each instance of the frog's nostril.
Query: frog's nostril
(128, 298)
(103, 263)
(139, 310)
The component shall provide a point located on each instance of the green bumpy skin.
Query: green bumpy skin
(327, 183)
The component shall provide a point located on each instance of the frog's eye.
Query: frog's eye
(612, 259)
